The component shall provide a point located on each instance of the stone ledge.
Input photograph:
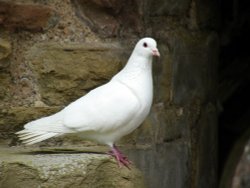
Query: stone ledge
(22, 168)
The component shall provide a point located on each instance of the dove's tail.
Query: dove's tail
(42, 129)
(29, 137)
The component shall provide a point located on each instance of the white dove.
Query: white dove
(108, 112)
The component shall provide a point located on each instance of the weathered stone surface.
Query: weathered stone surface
(21, 168)
(66, 72)
(164, 164)
(195, 60)
(5, 49)
(111, 18)
(5, 78)
(169, 7)
(194, 57)
(26, 16)
(204, 147)
(207, 13)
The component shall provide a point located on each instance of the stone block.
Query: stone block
(68, 71)
(31, 17)
(194, 57)
(111, 18)
(21, 168)
(163, 165)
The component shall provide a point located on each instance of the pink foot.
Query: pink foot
(120, 158)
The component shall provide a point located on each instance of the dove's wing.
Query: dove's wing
(105, 108)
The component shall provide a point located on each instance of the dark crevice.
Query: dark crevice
(234, 74)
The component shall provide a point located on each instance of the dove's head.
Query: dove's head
(147, 47)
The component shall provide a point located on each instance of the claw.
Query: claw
(120, 158)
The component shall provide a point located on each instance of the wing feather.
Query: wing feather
(103, 109)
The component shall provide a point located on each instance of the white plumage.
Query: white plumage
(108, 112)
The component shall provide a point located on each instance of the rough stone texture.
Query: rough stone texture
(195, 58)
(111, 18)
(59, 70)
(169, 7)
(5, 48)
(5, 51)
(20, 168)
(4, 87)
(165, 164)
(26, 16)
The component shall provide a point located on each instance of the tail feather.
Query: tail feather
(43, 129)
(30, 137)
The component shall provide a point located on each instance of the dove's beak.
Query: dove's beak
(156, 52)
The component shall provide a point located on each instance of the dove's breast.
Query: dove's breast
(139, 83)
(115, 109)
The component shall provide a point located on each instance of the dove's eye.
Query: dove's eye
(145, 45)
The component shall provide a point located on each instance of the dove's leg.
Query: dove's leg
(120, 158)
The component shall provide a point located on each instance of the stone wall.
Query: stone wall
(53, 52)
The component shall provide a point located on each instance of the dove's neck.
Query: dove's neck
(135, 67)
(137, 76)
